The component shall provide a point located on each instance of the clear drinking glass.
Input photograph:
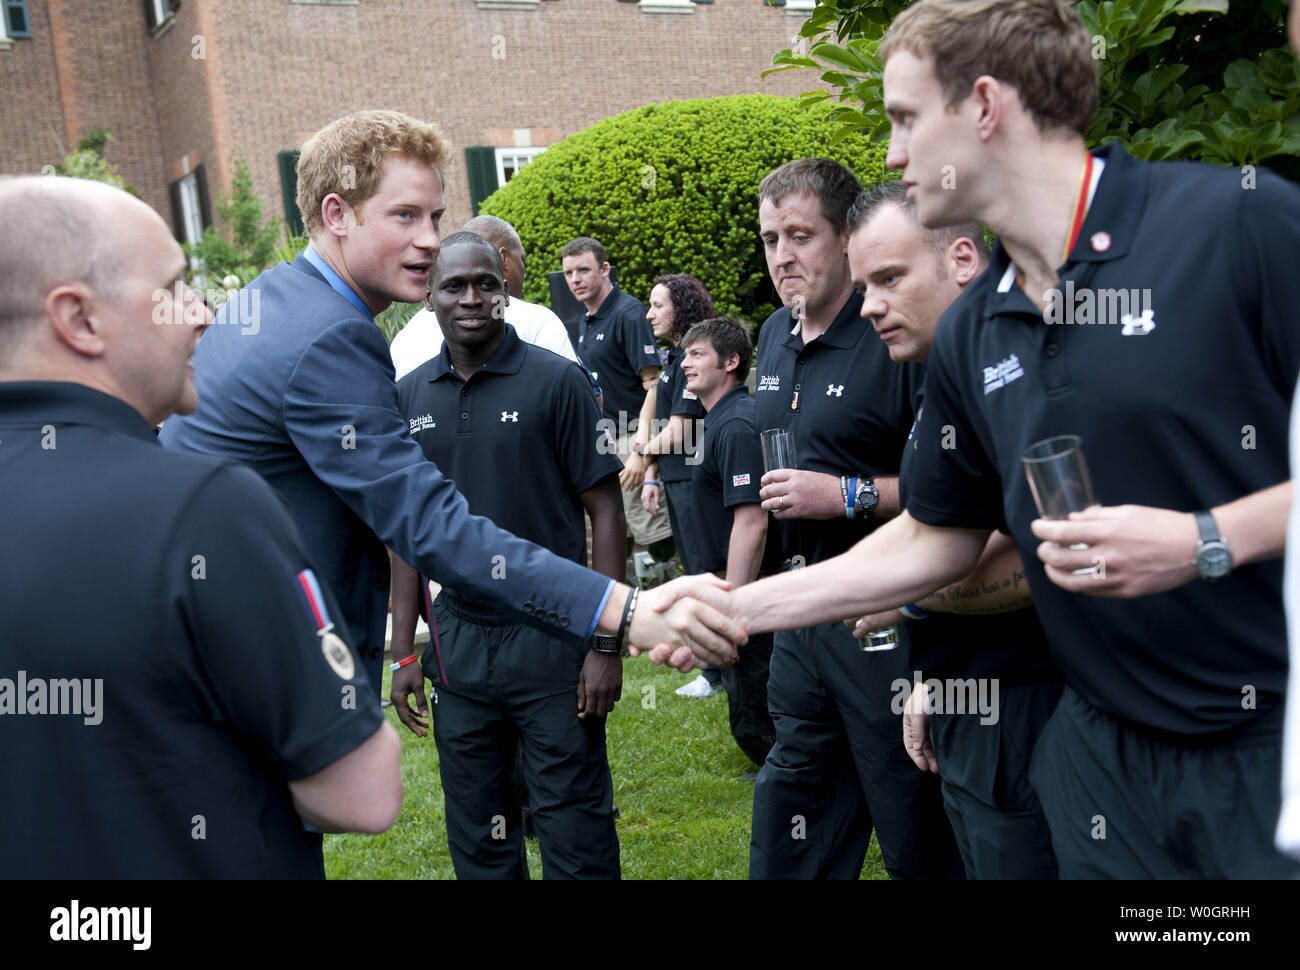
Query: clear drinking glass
(1058, 476)
(1059, 480)
(778, 449)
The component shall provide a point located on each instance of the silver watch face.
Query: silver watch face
(1213, 560)
(867, 498)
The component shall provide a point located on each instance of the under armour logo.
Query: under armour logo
(510, 416)
(1139, 327)
(836, 389)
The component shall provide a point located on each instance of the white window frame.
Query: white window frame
(191, 211)
(5, 41)
(666, 6)
(515, 154)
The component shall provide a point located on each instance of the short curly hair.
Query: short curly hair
(347, 157)
(690, 299)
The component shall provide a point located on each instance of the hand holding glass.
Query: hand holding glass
(1059, 480)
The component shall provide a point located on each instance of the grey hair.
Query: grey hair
(496, 231)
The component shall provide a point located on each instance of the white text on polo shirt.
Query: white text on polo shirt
(423, 423)
(1087, 306)
(769, 382)
(76, 697)
(102, 924)
(1002, 373)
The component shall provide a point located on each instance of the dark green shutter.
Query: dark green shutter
(482, 164)
(201, 183)
(289, 191)
(178, 219)
(17, 23)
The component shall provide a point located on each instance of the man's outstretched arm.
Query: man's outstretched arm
(997, 584)
(898, 563)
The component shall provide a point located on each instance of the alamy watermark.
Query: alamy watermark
(1086, 306)
(610, 432)
(958, 695)
(238, 307)
(78, 697)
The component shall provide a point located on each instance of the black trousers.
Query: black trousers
(494, 694)
(679, 517)
(747, 707)
(838, 767)
(984, 767)
(1124, 805)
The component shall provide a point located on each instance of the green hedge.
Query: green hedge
(670, 188)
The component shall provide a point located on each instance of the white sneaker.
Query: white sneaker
(699, 687)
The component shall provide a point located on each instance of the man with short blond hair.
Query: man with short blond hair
(307, 399)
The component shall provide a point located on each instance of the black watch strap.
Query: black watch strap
(606, 644)
(1208, 529)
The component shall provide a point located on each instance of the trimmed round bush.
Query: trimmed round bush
(672, 188)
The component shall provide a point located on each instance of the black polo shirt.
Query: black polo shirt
(1183, 406)
(520, 439)
(174, 582)
(673, 398)
(728, 474)
(615, 343)
(849, 406)
(1011, 647)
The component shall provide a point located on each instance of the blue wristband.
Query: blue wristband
(851, 498)
(913, 612)
(649, 482)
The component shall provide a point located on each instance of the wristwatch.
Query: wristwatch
(638, 448)
(864, 502)
(606, 644)
(1213, 560)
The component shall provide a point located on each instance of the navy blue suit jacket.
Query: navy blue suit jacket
(296, 382)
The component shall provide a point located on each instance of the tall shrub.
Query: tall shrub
(671, 188)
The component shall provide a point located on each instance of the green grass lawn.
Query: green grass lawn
(679, 783)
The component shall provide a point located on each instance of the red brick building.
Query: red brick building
(184, 83)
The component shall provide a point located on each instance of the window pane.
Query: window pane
(190, 209)
(16, 22)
